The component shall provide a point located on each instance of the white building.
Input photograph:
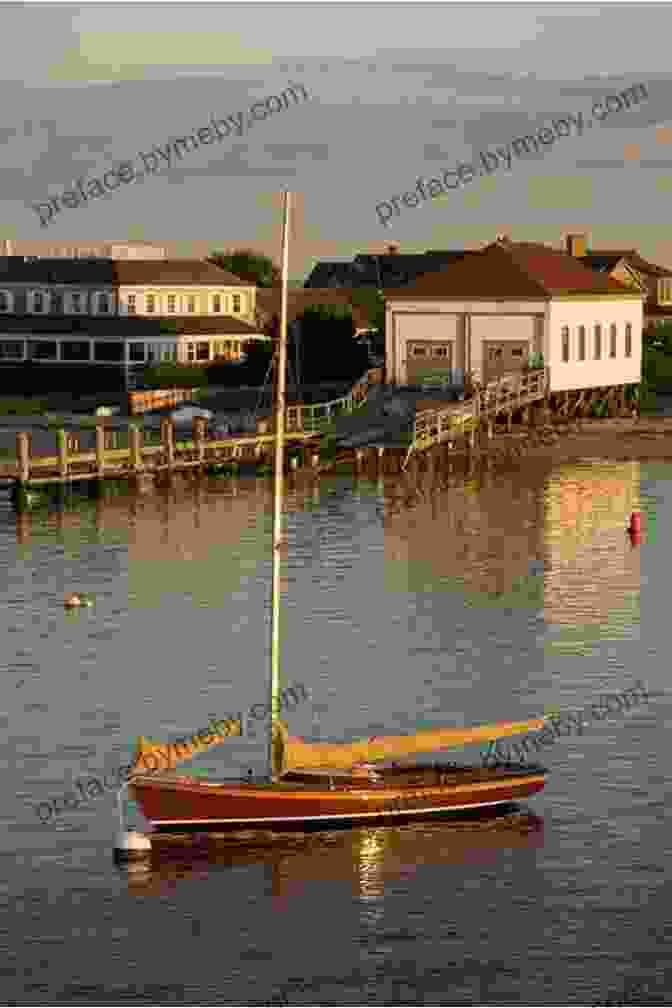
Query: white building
(502, 307)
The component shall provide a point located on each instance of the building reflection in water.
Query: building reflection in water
(591, 570)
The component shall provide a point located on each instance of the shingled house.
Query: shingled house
(392, 269)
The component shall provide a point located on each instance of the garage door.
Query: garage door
(427, 345)
(501, 343)
(428, 360)
(502, 357)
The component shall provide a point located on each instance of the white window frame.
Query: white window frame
(565, 332)
(582, 330)
(628, 339)
(131, 304)
(46, 294)
(10, 302)
(613, 340)
(176, 304)
(238, 310)
(217, 298)
(97, 298)
(155, 303)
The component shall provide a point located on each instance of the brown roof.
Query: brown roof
(513, 271)
(81, 272)
(268, 300)
(173, 271)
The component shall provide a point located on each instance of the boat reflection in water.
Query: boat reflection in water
(367, 858)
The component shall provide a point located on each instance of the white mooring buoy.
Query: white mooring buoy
(129, 845)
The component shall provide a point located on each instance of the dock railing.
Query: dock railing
(501, 395)
(319, 416)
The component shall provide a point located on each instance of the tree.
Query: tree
(327, 349)
(248, 265)
(370, 300)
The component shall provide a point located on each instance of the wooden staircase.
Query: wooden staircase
(505, 394)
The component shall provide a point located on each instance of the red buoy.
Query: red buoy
(635, 522)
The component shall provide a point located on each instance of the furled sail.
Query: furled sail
(293, 753)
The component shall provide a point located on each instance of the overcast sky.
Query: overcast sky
(397, 92)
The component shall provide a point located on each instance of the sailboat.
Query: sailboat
(323, 785)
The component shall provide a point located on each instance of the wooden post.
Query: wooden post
(135, 446)
(62, 442)
(23, 456)
(315, 460)
(509, 418)
(198, 426)
(359, 455)
(168, 441)
(100, 449)
(380, 461)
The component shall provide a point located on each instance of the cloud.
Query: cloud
(123, 55)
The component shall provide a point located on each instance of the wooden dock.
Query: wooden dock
(504, 395)
(141, 460)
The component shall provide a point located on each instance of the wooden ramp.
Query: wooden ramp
(502, 395)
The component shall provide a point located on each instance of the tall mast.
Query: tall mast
(274, 685)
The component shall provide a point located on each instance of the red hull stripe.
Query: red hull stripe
(349, 815)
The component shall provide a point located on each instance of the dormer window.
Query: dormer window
(6, 301)
(236, 302)
(665, 290)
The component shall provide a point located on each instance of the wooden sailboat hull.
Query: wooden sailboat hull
(183, 804)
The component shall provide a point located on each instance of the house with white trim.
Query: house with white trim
(511, 305)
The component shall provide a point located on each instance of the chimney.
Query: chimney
(393, 249)
(503, 239)
(576, 245)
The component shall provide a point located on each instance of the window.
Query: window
(236, 302)
(597, 350)
(150, 304)
(104, 304)
(665, 289)
(517, 352)
(171, 304)
(440, 351)
(75, 350)
(495, 353)
(168, 352)
(202, 351)
(43, 350)
(564, 333)
(612, 340)
(6, 300)
(419, 351)
(217, 303)
(131, 304)
(191, 351)
(111, 352)
(582, 342)
(12, 350)
(628, 339)
(191, 304)
(40, 302)
(136, 352)
(76, 303)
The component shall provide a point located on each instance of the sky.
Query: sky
(395, 93)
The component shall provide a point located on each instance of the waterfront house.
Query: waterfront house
(509, 305)
(123, 313)
(629, 268)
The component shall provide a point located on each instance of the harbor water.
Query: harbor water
(496, 598)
